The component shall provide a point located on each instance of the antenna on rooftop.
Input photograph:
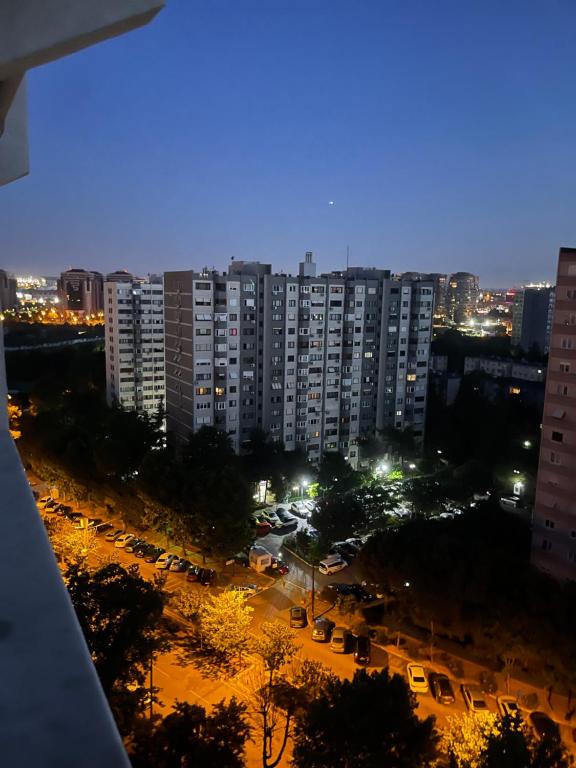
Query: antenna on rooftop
(347, 256)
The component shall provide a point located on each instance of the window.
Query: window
(203, 390)
(564, 367)
(558, 437)
(546, 545)
(555, 458)
(549, 523)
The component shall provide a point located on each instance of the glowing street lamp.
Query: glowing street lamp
(527, 444)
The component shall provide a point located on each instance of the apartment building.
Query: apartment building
(134, 322)
(532, 313)
(81, 291)
(554, 522)
(501, 368)
(462, 296)
(316, 361)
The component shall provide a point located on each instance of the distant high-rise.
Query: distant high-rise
(8, 299)
(554, 520)
(81, 291)
(318, 362)
(532, 313)
(440, 285)
(134, 320)
(462, 296)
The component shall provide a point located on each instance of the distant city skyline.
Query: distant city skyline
(426, 137)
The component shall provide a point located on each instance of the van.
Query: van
(332, 564)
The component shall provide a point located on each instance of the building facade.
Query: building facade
(134, 324)
(440, 286)
(318, 362)
(554, 522)
(8, 286)
(462, 296)
(81, 291)
(502, 368)
(532, 313)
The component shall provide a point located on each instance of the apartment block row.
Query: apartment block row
(315, 361)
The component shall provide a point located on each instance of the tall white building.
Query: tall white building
(317, 362)
(134, 319)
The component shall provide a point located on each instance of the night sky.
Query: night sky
(444, 133)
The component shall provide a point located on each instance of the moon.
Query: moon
(331, 202)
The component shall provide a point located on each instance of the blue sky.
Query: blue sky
(442, 130)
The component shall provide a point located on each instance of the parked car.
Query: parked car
(488, 683)
(339, 640)
(246, 589)
(272, 518)
(122, 540)
(263, 527)
(362, 652)
(300, 510)
(286, 517)
(103, 528)
(298, 617)
(322, 630)
(64, 510)
(51, 506)
(153, 554)
(508, 707)
(164, 561)
(473, 698)
(133, 544)
(544, 726)
(332, 564)
(179, 565)
(417, 678)
(207, 576)
(442, 688)
(356, 590)
(193, 573)
(44, 500)
(113, 535)
(142, 549)
(241, 558)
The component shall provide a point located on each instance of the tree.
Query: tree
(71, 545)
(276, 647)
(336, 475)
(119, 613)
(190, 738)
(225, 623)
(367, 721)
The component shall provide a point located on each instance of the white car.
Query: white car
(474, 699)
(44, 500)
(246, 589)
(332, 564)
(121, 541)
(417, 678)
(165, 561)
(508, 706)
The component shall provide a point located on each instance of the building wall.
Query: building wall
(317, 362)
(8, 286)
(134, 324)
(81, 291)
(462, 296)
(503, 368)
(532, 313)
(554, 524)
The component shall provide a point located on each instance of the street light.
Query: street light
(382, 469)
(527, 444)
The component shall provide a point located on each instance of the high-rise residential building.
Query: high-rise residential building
(315, 361)
(440, 285)
(8, 287)
(532, 313)
(134, 321)
(554, 522)
(462, 296)
(81, 291)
